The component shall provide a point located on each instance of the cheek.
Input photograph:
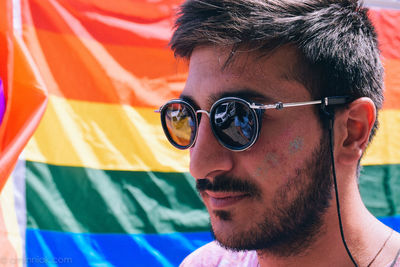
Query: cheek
(279, 158)
(265, 164)
(284, 147)
(292, 141)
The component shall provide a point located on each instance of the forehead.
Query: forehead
(267, 78)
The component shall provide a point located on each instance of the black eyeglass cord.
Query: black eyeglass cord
(331, 120)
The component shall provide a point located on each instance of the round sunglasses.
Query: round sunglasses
(235, 122)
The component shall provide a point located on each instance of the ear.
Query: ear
(352, 129)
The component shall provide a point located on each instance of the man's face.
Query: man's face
(271, 196)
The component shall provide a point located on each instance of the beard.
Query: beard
(292, 224)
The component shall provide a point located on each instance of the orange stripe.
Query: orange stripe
(387, 25)
(136, 76)
(24, 110)
(392, 84)
(143, 62)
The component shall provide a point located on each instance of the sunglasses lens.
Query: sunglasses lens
(178, 120)
(234, 123)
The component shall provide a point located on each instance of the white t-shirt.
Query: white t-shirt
(213, 255)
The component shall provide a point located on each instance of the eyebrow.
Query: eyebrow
(190, 100)
(244, 93)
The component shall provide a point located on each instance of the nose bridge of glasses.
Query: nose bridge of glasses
(203, 111)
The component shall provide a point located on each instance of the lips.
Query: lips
(220, 200)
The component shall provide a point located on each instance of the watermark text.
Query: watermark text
(36, 260)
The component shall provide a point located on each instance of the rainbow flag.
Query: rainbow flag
(23, 100)
(98, 183)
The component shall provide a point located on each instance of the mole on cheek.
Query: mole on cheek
(296, 145)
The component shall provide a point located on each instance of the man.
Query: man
(298, 73)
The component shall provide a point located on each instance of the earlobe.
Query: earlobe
(357, 121)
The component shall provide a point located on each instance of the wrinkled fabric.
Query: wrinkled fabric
(213, 255)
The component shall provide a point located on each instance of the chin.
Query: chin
(226, 231)
(229, 239)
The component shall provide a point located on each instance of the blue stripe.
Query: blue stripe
(392, 222)
(51, 248)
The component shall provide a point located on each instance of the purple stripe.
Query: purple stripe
(2, 101)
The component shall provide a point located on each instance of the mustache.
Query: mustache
(224, 183)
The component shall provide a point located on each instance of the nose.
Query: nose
(208, 158)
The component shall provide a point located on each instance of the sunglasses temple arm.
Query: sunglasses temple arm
(327, 101)
(281, 105)
(298, 104)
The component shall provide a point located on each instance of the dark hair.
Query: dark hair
(338, 45)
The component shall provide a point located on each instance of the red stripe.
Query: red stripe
(148, 25)
(387, 25)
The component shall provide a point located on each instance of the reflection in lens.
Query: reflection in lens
(179, 120)
(223, 114)
(234, 123)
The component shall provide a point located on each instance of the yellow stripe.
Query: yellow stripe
(103, 136)
(385, 147)
(120, 137)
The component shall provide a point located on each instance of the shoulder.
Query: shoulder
(213, 254)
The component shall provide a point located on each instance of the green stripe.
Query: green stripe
(380, 189)
(80, 200)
